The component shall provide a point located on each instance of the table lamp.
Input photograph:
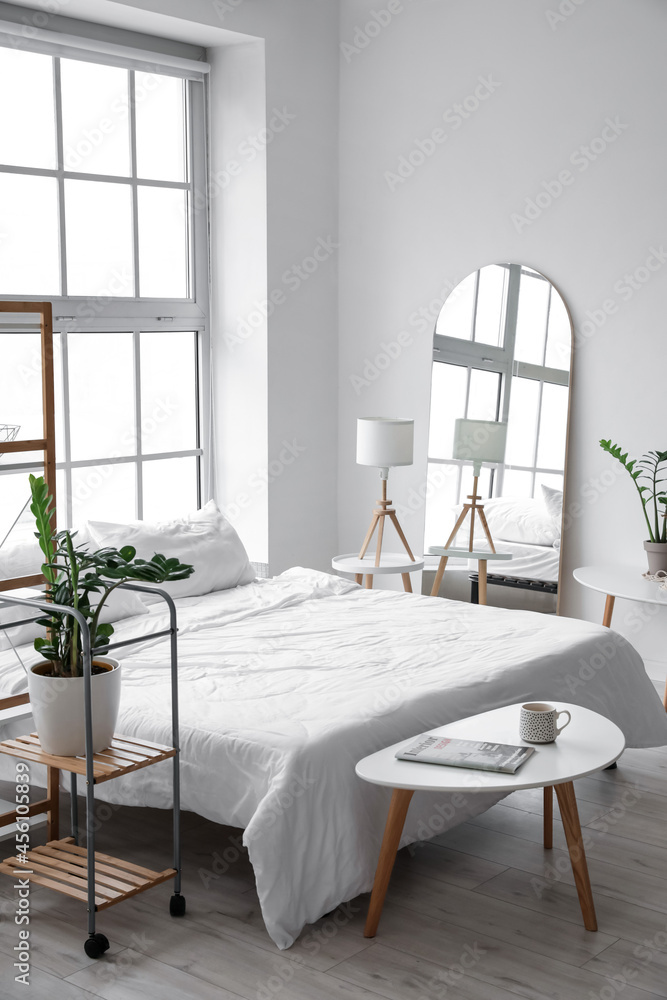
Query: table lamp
(480, 441)
(384, 442)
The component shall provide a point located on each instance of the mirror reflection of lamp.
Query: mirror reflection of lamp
(478, 441)
(384, 442)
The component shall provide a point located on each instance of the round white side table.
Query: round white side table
(628, 584)
(481, 555)
(588, 744)
(391, 562)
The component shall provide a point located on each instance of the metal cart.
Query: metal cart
(63, 865)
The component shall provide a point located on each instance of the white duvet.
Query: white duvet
(286, 683)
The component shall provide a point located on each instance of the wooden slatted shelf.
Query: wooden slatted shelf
(61, 865)
(125, 754)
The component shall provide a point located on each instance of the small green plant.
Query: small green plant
(75, 576)
(652, 493)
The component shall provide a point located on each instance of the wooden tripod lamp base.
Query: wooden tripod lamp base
(472, 509)
(380, 513)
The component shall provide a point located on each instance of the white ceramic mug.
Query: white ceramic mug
(539, 722)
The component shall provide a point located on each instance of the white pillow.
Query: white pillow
(121, 603)
(26, 560)
(204, 539)
(553, 501)
(513, 519)
(13, 612)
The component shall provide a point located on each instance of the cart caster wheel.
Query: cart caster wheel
(96, 945)
(177, 905)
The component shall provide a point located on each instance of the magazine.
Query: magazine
(467, 753)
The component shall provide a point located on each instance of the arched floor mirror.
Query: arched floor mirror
(502, 352)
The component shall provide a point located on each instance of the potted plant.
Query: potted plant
(83, 580)
(653, 494)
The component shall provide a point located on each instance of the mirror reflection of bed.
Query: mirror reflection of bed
(501, 352)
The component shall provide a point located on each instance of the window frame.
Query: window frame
(135, 314)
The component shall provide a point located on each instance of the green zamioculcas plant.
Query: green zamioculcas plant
(647, 475)
(76, 578)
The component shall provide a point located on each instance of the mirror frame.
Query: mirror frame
(568, 423)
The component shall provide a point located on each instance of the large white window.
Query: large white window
(103, 212)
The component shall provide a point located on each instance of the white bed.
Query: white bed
(286, 683)
(529, 562)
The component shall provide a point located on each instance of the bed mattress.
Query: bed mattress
(529, 562)
(286, 683)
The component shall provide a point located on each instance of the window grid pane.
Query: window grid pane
(89, 124)
(89, 127)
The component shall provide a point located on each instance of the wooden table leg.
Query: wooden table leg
(575, 845)
(53, 795)
(482, 581)
(369, 581)
(398, 809)
(358, 578)
(548, 817)
(407, 584)
(608, 610)
(442, 565)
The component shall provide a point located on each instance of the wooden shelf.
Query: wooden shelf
(125, 754)
(61, 865)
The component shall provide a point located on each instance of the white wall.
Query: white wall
(554, 86)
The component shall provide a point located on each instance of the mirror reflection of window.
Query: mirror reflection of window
(502, 350)
(475, 309)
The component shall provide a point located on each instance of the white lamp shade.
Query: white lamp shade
(384, 441)
(480, 440)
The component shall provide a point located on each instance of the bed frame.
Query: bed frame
(541, 586)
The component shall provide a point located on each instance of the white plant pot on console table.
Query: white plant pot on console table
(628, 584)
(391, 562)
(481, 555)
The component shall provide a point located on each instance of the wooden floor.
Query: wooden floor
(480, 913)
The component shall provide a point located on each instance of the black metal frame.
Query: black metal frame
(88, 653)
(540, 586)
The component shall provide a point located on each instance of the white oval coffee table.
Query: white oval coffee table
(589, 744)
(390, 562)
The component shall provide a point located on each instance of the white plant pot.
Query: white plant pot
(58, 709)
(656, 553)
